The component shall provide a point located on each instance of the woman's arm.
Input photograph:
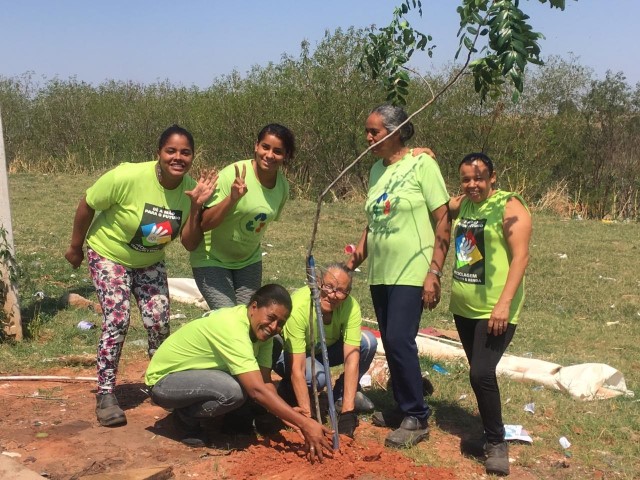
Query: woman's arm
(81, 223)
(516, 226)
(431, 287)
(454, 206)
(299, 381)
(213, 216)
(360, 253)
(192, 234)
(315, 435)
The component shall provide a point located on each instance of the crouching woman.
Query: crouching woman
(211, 365)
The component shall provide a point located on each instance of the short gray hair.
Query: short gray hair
(393, 116)
(339, 266)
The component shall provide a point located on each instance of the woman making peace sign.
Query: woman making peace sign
(227, 264)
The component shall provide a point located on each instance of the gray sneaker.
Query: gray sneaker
(497, 462)
(108, 411)
(411, 432)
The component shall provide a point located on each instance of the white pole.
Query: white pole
(11, 321)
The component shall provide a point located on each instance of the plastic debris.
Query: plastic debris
(564, 442)
(39, 296)
(530, 407)
(177, 316)
(606, 278)
(365, 380)
(269, 245)
(613, 323)
(517, 433)
(357, 270)
(441, 370)
(349, 249)
(562, 256)
(11, 454)
(86, 325)
(462, 397)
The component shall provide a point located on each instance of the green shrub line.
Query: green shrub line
(571, 141)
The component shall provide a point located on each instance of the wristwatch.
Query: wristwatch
(437, 273)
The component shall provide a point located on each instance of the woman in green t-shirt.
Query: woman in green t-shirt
(227, 262)
(220, 366)
(492, 230)
(405, 241)
(142, 208)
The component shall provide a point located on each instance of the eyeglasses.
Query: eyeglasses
(328, 289)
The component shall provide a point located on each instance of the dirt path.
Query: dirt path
(60, 437)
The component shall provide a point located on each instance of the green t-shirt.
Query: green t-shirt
(235, 243)
(345, 323)
(481, 264)
(218, 341)
(137, 216)
(401, 231)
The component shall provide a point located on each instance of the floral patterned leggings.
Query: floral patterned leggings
(114, 284)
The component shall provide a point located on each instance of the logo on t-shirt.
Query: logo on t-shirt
(382, 205)
(470, 253)
(158, 227)
(257, 223)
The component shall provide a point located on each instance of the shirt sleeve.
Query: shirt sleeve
(434, 190)
(102, 194)
(295, 329)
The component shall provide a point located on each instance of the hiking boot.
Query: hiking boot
(187, 428)
(497, 462)
(411, 432)
(387, 418)
(362, 404)
(108, 411)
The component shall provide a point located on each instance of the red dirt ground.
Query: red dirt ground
(59, 437)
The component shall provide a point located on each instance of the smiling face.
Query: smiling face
(376, 131)
(266, 321)
(174, 158)
(270, 154)
(476, 181)
(334, 289)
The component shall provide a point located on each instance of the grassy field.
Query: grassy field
(583, 305)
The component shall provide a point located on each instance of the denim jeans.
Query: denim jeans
(199, 393)
(368, 346)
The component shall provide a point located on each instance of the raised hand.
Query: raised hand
(239, 187)
(204, 188)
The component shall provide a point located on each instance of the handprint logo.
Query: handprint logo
(156, 233)
(467, 251)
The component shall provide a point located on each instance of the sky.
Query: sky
(191, 42)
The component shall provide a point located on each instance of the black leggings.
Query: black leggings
(484, 351)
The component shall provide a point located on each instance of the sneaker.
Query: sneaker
(387, 418)
(361, 402)
(108, 411)
(497, 462)
(411, 432)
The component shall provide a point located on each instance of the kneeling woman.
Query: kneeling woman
(211, 365)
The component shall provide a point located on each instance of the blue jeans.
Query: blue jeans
(199, 393)
(398, 310)
(368, 346)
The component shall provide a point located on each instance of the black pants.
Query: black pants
(484, 351)
(398, 310)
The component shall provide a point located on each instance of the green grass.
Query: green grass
(565, 320)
